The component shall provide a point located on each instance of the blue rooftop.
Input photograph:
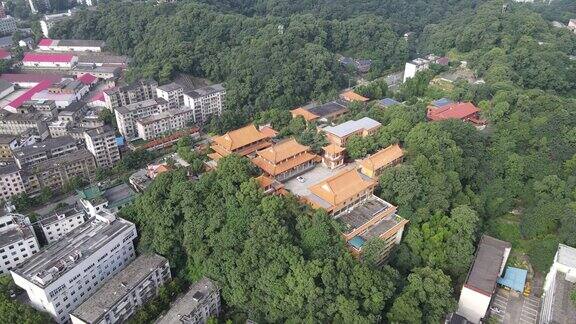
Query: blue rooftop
(120, 141)
(357, 242)
(442, 102)
(387, 102)
(514, 278)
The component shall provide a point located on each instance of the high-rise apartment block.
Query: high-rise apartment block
(11, 183)
(126, 116)
(17, 241)
(66, 273)
(163, 123)
(129, 94)
(101, 142)
(124, 293)
(200, 303)
(173, 93)
(206, 102)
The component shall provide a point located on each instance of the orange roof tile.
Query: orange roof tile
(308, 116)
(240, 137)
(342, 186)
(276, 169)
(268, 131)
(264, 181)
(333, 149)
(353, 96)
(383, 157)
(283, 151)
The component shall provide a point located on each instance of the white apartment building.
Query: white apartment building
(173, 93)
(200, 303)
(557, 308)
(127, 291)
(64, 274)
(61, 222)
(101, 142)
(126, 116)
(415, 66)
(206, 102)
(154, 126)
(11, 183)
(7, 25)
(17, 241)
(129, 94)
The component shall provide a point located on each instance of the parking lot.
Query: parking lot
(515, 309)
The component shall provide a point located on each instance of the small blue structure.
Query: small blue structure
(387, 102)
(514, 278)
(120, 141)
(442, 102)
(357, 242)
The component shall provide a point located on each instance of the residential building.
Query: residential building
(60, 222)
(7, 25)
(49, 60)
(101, 72)
(348, 197)
(333, 156)
(154, 170)
(163, 123)
(465, 111)
(373, 165)
(6, 88)
(323, 113)
(64, 274)
(101, 142)
(70, 45)
(17, 241)
(243, 141)
(173, 93)
(285, 160)
(206, 102)
(352, 96)
(421, 64)
(18, 124)
(126, 116)
(201, 302)
(56, 172)
(387, 102)
(45, 150)
(95, 199)
(11, 183)
(169, 140)
(124, 293)
(340, 134)
(139, 91)
(7, 144)
(481, 282)
(557, 305)
(63, 93)
(50, 20)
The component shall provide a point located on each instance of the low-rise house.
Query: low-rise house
(557, 305)
(61, 222)
(201, 302)
(373, 165)
(322, 113)
(154, 170)
(243, 141)
(104, 72)
(352, 96)
(70, 45)
(124, 293)
(270, 186)
(285, 160)
(481, 282)
(49, 60)
(333, 156)
(340, 134)
(95, 199)
(387, 102)
(464, 111)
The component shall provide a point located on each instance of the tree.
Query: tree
(426, 299)
(12, 311)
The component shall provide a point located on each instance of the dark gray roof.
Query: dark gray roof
(8, 168)
(170, 87)
(47, 145)
(106, 129)
(205, 91)
(490, 256)
(6, 138)
(187, 303)
(14, 235)
(118, 193)
(329, 109)
(4, 85)
(97, 305)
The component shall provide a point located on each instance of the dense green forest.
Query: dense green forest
(277, 260)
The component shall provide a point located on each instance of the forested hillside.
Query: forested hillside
(279, 261)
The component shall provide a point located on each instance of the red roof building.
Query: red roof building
(87, 79)
(47, 57)
(45, 42)
(16, 103)
(4, 54)
(465, 111)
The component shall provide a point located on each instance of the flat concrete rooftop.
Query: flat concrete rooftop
(312, 177)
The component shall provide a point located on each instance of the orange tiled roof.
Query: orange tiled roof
(215, 156)
(269, 131)
(283, 151)
(264, 181)
(333, 149)
(353, 96)
(240, 137)
(276, 169)
(383, 157)
(342, 186)
(308, 116)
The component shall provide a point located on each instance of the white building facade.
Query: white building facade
(11, 183)
(101, 142)
(126, 116)
(17, 241)
(61, 222)
(206, 102)
(156, 125)
(66, 273)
